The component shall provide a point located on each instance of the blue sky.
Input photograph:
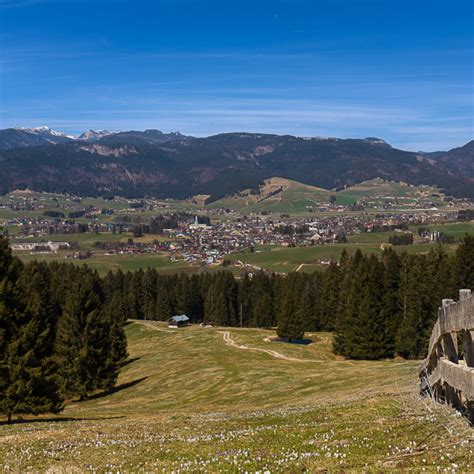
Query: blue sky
(396, 69)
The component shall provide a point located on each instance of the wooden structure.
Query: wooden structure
(178, 321)
(447, 374)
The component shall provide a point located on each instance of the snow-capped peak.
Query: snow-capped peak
(44, 130)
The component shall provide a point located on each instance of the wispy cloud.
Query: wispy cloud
(19, 3)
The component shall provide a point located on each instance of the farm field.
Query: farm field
(286, 259)
(296, 198)
(457, 229)
(189, 401)
(278, 259)
(103, 263)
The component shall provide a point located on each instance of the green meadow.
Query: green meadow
(286, 259)
(188, 401)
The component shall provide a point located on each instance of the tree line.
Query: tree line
(376, 306)
(62, 326)
(61, 335)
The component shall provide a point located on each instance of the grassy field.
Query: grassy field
(457, 229)
(286, 259)
(296, 198)
(103, 263)
(189, 402)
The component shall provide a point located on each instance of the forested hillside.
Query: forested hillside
(61, 326)
(135, 164)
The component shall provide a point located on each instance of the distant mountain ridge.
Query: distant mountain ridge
(21, 137)
(11, 138)
(161, 164)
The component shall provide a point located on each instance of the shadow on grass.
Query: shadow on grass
(304, 342)
(59, 419)
(130, 361)
(118, 388)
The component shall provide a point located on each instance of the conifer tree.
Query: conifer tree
(367, 337)
(11, 315)
(34, 386)
(82, 343)
(347, 305)
(291, 322)
(262, 315)
(164, 304)
(390, 298)
(114, 352)
(411, 334)
(464, 266)
(148, 303)
(116, 319)
(330, 297)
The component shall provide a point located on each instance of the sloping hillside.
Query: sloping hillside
(219, 166)
(280, 195)
(214, 400)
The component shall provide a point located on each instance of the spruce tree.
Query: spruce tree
(390, 299)
(11, 318)
(164, 305)
(330, 297)
(34, 386)
(367, 337)
(291, 322)
(82, 348)
(347, 305)
(262, 314)
(114, 352)
(411, 334)
(464, 266)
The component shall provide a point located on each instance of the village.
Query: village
(200, 237)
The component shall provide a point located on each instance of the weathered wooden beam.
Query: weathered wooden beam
(468, 347)
(452, 318)
(457, 376)
(450, 347)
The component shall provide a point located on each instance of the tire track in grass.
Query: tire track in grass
(277, 355)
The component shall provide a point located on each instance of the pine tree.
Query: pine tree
(116, 318)
(347, 306)
(330, 297)
(149, 291)
(215, 306)
(11, 315)
(34, 386)
(164, 305)
(114, 351)
(368, 335)
(291, 322)
(82, 341)
(305, 306)
(464, 263)
(262, 314)
(390, 299)
(411, 334)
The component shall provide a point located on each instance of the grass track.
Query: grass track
(189, 402)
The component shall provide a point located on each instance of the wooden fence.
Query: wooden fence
(447, 374)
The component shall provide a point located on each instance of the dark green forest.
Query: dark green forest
(62, 326)
(61, 335)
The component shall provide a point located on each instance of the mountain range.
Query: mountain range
(136, 164)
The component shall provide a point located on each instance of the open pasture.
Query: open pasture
(286, 259)
(189, 401)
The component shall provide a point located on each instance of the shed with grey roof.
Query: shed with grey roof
(178, 321)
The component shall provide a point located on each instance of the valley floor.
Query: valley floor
(208, 399)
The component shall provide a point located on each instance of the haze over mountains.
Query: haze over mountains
(135, 163)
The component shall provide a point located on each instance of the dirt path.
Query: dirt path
(230, 342)
(150, 325)
(300, 267)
